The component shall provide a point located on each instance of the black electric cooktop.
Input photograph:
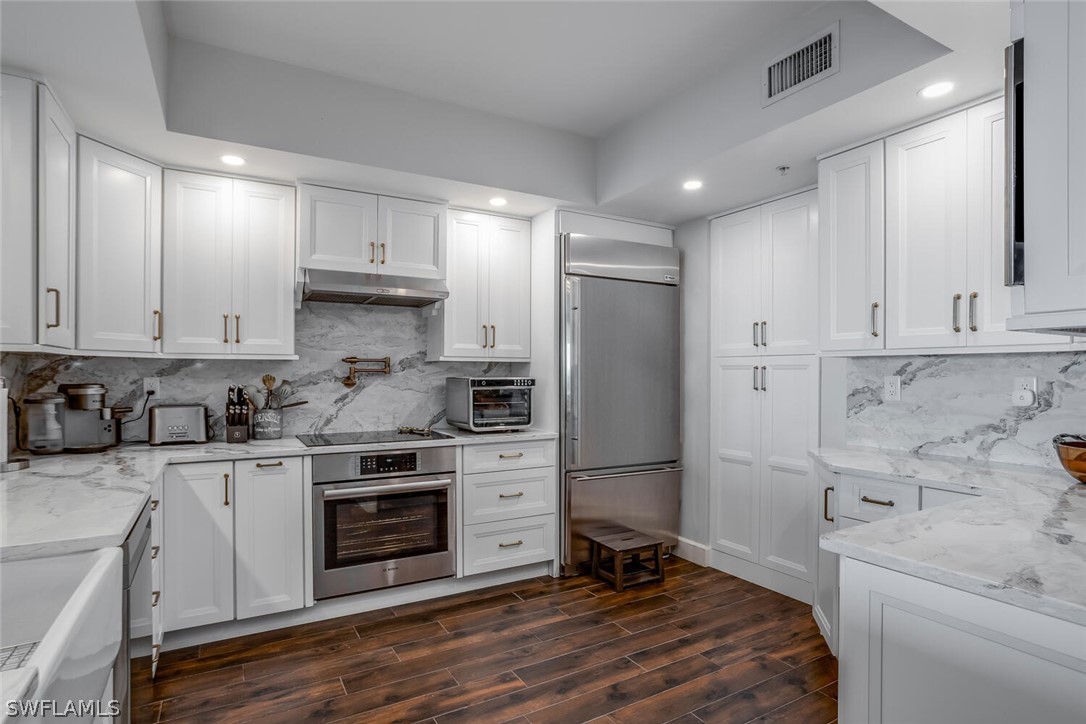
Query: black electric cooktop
(404, 434)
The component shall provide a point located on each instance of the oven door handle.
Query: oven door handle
(377, 489)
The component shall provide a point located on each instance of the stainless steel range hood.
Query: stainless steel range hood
(357, 288)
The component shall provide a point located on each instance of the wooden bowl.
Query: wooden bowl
(1071, 450)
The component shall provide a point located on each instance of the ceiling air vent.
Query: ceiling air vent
(795, 70)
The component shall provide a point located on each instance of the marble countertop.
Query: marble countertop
(1023, 541)
(69, 503)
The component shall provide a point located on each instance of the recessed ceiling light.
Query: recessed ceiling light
(936, 89)
(232, 160)
(692, 185)
(498, 201)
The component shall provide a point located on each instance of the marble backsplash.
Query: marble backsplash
(961, 405)
(414, 394)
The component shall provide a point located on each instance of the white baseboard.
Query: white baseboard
(765, 577)
(692, 551)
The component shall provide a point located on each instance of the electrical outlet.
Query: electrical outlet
(891, 388)
(1025, 383)
(151, 384)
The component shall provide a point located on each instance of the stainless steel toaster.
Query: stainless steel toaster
(175, 424)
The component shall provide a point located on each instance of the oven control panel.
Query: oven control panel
(405, 462)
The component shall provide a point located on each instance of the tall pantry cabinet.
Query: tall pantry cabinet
(764, 393)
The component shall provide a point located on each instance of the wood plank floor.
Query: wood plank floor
(701, 647)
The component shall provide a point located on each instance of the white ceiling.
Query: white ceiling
(576, 66)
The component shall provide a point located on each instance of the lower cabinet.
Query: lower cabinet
(233, 541)
(508, 543)
(916, 651)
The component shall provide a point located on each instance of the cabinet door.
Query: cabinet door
(510, 276)
(410, 238)
(464, 313)
(736, 294)
(925, 235)
(263, 269)
(337, 230)
(789, 258)
(825, 589)
(120, 251)
(56, 224)
(268, 536)
(852, 246)
(989, 301)
(735, 428)
(196, 242)
(18, 251)
(789, 428)
(198, 546)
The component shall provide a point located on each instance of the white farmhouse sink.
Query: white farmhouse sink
(71, 607)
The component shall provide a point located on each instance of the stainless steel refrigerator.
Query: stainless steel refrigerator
(620, 391)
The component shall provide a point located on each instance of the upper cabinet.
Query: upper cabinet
(763, 286)
(228, 266)
(488, 313)
(18, 325)
(56, 223)
(851, 249)
(119, 291)
(357, 232)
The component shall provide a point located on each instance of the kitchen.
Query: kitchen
(367, 412)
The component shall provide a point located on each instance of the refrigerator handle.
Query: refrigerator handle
(573, 369)
(657, 471)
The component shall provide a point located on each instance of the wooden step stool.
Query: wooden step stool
(626, 548)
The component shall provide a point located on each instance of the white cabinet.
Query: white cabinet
(17, 220)
(198, 544)
(228, 266)
(118, 293)
(916, 651)
(356, 232)
(488, 312)
(508, 543)
(269, 526)
(852, 247)
(763, 286)
(764, 418)
(56, 223)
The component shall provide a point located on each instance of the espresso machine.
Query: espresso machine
(86, 423)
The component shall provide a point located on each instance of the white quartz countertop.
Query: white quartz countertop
(1023, 541)
(69, 503)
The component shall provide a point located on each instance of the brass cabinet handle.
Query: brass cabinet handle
(485, 338)
(154, 505)
(973, 311)
(225, 330)
(874, 319)
(493, 336)
(510, 456)
(764, 342)
(755, 378)
(373, 252)
(56, 307)
(503, 496)
(158, 325)
(237, 329)
(957, 312)
(155, 651)
(277, 464)
(826, 504)
(226, 489)
(154, 552)
(763, 379)
(514, 544)
(382, 252)
(874, 501)
(155, 595)
(754, 333)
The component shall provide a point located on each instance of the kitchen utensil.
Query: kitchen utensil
(1071, 450)
(269, 382)
(299, 403)
(256, 396)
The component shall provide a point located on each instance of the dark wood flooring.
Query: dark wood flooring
(701, 647)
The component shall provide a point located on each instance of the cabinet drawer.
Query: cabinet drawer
(507, 495)
(490, 457)
(934, 497)
(506, 544)
(867, 500)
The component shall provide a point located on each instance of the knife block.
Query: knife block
(237, 433)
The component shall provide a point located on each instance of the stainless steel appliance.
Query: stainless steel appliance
(133, 549)
(44, 412)
(401, 435)
(382, 519)
(89, 424)
(1013, 202)
(5, 464)
(173, 424)
(620, 390)
(486, 404)
(359, 288)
